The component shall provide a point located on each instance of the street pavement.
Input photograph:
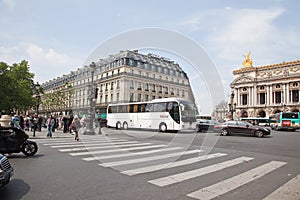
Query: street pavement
(157, 169)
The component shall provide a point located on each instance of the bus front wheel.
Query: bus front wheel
(163, 127)
(125, 126)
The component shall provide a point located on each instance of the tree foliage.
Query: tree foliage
(16, 87)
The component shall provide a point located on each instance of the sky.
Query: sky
(57, 37)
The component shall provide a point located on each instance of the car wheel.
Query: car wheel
(224, 132)
(163, 127)
(259, 134)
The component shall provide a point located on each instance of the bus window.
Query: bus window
(159, 107)
(149, 107)
(141, 107)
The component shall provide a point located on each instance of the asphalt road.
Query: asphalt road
(150, 165)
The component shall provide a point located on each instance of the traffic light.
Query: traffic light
(96, 93)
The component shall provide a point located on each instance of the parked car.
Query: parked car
(207, 125)
(6, 171)
(242, 127)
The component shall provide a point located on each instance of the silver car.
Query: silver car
(6, 171)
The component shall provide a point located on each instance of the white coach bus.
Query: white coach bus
(166, 114)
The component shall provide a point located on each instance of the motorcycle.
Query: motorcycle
(15, 140)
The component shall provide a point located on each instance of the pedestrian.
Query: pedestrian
(50, 124)
(75, 126)
(35, 123)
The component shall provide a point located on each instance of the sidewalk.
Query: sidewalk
(43, 134)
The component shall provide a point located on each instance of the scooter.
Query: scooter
(15, 140)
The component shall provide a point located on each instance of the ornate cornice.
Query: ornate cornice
(259, 68)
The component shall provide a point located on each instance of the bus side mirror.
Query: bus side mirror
(182, 107)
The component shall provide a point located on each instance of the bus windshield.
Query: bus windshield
(188, 111)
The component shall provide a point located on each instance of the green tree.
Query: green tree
(16, 87)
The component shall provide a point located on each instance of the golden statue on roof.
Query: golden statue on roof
(247, 62)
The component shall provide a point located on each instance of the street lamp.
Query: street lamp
(231, 105)
(91, 98)
(36, 90)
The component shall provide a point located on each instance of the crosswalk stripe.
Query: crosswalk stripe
(144, 159)
(90, 144)
(176, 178)
(82, 141)
(227, 185)
(99, 146)
(168, 165)
(66, 139)
(288, 191)
(131, 154)
(116, 149)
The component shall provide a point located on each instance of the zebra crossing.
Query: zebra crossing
(133, 157)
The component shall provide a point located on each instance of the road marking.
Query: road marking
(118, 149)
(79, 144)
(131, 154)
(145, 159)
(168, 165)
(82, 141)
(227, 185)
(176, 178)
(288, 191)
(100, 146)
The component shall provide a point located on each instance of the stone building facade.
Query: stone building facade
(265, 90)
(127, 76)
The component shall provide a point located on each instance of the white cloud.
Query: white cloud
(46, 64)
(9, 3)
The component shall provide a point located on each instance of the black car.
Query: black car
(242, 127)
(6, 171)
(207, 125)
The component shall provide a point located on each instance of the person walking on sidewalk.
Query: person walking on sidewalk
(75, 126)
(50, 124)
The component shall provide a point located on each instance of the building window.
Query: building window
(153, 97)
(167, 90)
(131, 84)
(106, 86)
(277, 97)
(111, 85)
(118, 97)
(244, 99)
(153, 88)
(146, 97)
(101, 99)
(111, 98)
(139, 97)
(295, 95)
(139, 87)
(106, 99)
(147, 87)
(160, 89)
(262, 98)
(118, 84)
(131, 97)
